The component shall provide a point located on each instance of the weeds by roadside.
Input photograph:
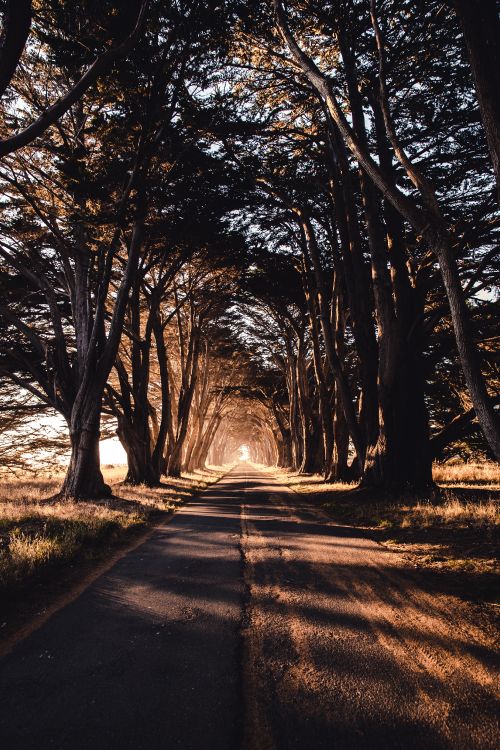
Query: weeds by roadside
(485, 473)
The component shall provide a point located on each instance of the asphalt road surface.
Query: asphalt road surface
(252, 621)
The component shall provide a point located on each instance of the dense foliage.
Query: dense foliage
(235, 223)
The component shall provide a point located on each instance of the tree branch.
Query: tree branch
(57, 110)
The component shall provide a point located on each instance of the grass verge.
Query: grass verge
(455, 536)
(46, 546)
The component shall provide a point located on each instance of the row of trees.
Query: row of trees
(261, 225)
(112, 236)
(369, 152)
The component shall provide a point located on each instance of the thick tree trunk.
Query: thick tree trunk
(165, 429)
(379, 460)
(190, 375)
(200, 453)
(319, 370)
(341, 380)
(84, 479)
(141, 467)
(174, 467)
(285, 444)
(293, 412)
(305, 411)
(340, 471)
(217, 449)
(357, 281)
(308, 464)
(469, 359)
(412, 422)
(285, 450)
(481, 29)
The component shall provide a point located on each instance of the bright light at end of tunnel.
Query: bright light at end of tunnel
(112, 452)
(244, 453)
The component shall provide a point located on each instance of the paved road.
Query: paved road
(251, 621)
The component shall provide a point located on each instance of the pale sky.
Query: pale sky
(112, 452)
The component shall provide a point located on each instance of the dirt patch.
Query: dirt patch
(453, 536)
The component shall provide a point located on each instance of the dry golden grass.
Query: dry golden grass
(456, 532)
(313, 483)
(484, 473)
(409, 512)
(35, 533)
(453, 511)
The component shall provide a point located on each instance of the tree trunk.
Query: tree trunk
(341, 380)
(84, 479)
(357, 280)
(340, 471)
(165, 428)
(474, 379)
(481, 29)
(141, 467)
(305, 411)
(319, 370)
(293, 410)
(285, 450)
(285, 444)
(190, 375)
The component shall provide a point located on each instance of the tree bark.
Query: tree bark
(356, 278)
(342, 383)
(481, 29)
(340, 470)
(483, 405)
(141, 469)
(324, 397)
(84, 479)
(16, 28)
(190, 375)
(309, 434)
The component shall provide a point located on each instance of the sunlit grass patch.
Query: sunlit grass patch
(454, 532)
(36, 533)
(34, 536)
(482, 473)
(454, 511)
(485, 474)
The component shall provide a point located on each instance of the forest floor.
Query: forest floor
(48, 546)
(454, 536)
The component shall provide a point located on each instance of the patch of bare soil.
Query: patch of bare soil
(454, 538)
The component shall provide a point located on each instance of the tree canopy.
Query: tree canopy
(271, 225)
